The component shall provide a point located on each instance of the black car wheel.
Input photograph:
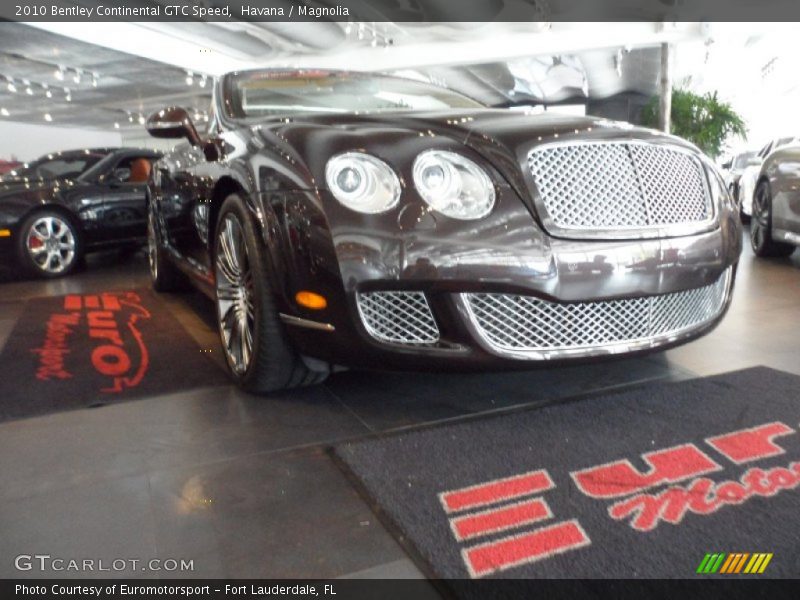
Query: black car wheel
(259, 355)
(163, 274)
(49, 245)
(761, 225)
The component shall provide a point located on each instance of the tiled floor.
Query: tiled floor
(243, 485)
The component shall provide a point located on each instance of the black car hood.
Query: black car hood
(16, 188)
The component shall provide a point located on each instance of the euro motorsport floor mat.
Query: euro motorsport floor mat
(691, 479)
(79, 351)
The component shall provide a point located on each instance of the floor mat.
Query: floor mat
(81, 351)
(697, 478)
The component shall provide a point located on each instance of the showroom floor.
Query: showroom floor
(245, 486)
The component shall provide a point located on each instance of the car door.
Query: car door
(783, 170)
(124, 198)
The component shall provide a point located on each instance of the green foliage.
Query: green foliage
(703, 120)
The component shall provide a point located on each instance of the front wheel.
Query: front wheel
(49, 245)
(761, 225)
(258, 352)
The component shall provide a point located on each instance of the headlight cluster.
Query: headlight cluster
(362, 182)
(450, 184)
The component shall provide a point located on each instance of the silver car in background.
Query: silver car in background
(775, 224)
(747, 180)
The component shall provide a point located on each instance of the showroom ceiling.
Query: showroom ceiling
(123, 79)
(97, 87)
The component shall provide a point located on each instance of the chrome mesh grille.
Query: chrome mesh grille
(398, 317)
(524, 323)
(616, 185)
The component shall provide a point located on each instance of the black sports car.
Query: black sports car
(62, 205)
(356, 219)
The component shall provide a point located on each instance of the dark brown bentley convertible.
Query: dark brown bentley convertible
(351, 219)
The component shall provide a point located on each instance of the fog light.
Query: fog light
(5, 233)
(310, 300)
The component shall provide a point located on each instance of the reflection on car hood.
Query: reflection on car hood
(16, 188)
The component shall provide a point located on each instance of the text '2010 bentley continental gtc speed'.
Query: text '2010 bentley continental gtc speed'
(359, 220)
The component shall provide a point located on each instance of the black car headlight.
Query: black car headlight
(453, 185)
(362, 182)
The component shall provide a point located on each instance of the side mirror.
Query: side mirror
(172, 122)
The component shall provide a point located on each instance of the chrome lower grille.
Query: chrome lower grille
(619, 186)
(398, 317)
(528, 325)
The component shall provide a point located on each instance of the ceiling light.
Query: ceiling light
(67, 95)
(77, 77)
(116, 125)
(59, 73)
(95, 78)
(130, 118)
(203, 81)
(49, 94)
(141, 119)
(29, 91)
(47, 117)
(4, 112)
(11, 87)
(189, 78)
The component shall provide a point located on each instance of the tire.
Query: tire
(259, 354)
(745, 218)
(48, 245)
(761, 225)
(164, 276)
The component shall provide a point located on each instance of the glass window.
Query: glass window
(274, 93)
(59, 167)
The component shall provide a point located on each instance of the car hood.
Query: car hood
(503, 137)
(15, 189)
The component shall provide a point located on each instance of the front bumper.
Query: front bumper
(580, 286)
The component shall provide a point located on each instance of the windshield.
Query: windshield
(56, 167)
(271, 93)
(743, 159)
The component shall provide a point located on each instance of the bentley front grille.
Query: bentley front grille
(398, 317)
(520, 325)
(601, 187)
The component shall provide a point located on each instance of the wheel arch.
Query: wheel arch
(269, 236)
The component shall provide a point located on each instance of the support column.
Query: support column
(665, 89)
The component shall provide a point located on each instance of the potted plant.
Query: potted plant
(702, 119)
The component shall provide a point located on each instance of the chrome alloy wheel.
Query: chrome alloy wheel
(152, 248)
(235, 294)
(51, 244)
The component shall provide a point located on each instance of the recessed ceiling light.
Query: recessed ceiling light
(11, 87)
(47, 117)
(4, 112)
(116, 125)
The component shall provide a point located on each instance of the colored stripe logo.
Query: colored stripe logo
(734, 563)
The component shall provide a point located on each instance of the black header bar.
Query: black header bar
(88, 11)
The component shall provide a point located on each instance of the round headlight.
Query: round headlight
(362, 182)
(453, 185)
